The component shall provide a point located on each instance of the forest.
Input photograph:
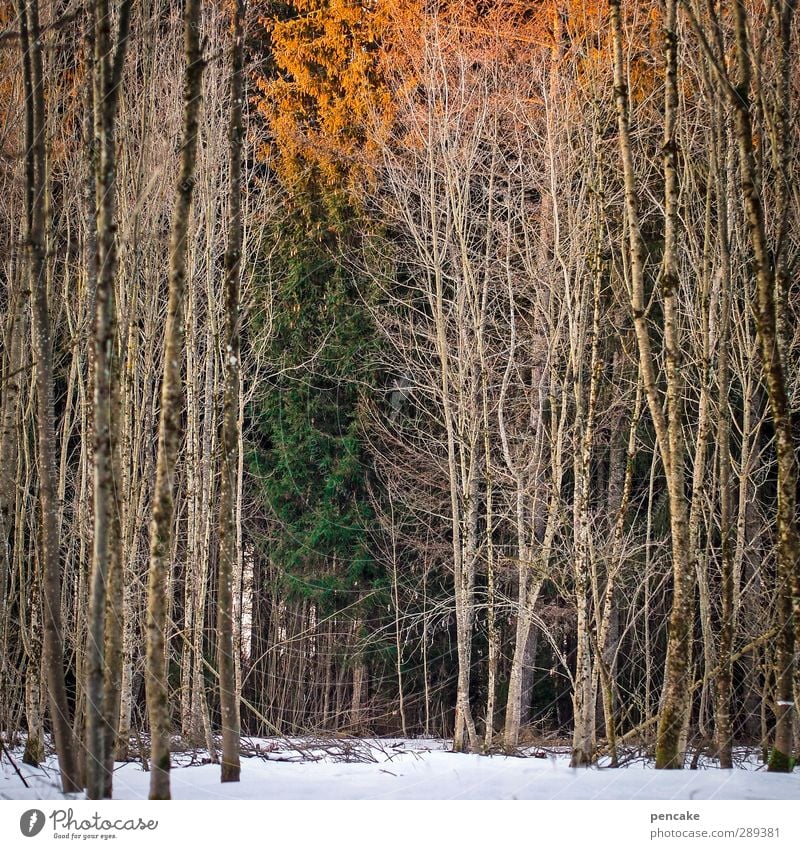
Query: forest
(398, 368)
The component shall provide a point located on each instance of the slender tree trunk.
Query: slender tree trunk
(583, 738)
(161, 542)
(493, 632)
(36, 238)
(464, 734)
(359, 694)
(105, 627)
(771, 275)
(31, 634)
(699, 497)
(397, 631)
(669, 434)
(229, 436)
(724, 683)
(771, 309)
(15, 333)
(190, 719)
(677, 700)
(529, 580)
(619, 496)
(15, 353)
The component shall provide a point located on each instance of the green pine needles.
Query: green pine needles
(309, 457)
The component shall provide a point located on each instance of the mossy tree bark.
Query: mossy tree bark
(771, 273)
(669, 427)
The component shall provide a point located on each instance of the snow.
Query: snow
(415, 769)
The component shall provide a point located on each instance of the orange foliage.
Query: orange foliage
(332, 56)
(328, 84)
(340, 63)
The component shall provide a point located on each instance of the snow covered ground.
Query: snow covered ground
(414, 769)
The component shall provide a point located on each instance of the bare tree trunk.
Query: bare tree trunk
(676, 695)
(724, 683)
(583, 738)
(529, 580)
(397, 638)
(31, 634)
(16, 357)
(161, 541)
(105, 628)
(37, 215)
(359, 693)
(677, 701)
(190, 719)
(464, 734)
(493, 632)
(15, 333)
(771, 274)
(229, 436)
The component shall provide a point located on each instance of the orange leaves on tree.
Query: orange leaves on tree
(341, 64)
(327, 86)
